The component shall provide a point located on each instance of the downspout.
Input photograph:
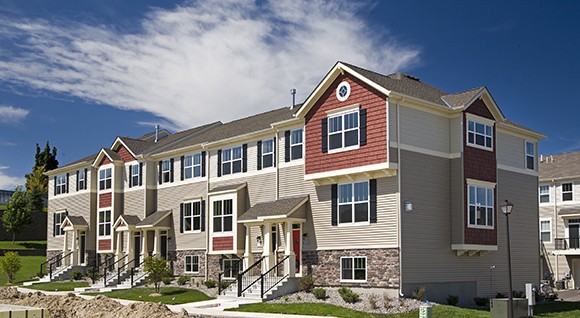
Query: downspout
(556, 227)
(276, 155)
(399, 221)
(207, 229)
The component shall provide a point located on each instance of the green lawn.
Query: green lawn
(30, 267)
(551, 310)
(169, 295)
(59, 286)
(23, 245)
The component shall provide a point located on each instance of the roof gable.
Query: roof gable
(106, 156)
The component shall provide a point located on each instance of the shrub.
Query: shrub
(420, 294)
(210, 283)
(10, 264)
(167, 280)
(298, 298)
(386, 301)
(307, 283)
(319, 293)
(224, 284)
(373, 301)
(348, 295)
(452, 300)
(481, 301)
(285, 298)
(76, 275)
(500, 295)
(182, 280)
(518, 294)
(157, 270)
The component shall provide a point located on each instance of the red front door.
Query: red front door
(296, 245)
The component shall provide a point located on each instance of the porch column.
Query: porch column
(119, 246)
(130, 248)
(144, 248)
(248, 257)
(290, 263)
(266, 247)
(65, 249)
(157, 243)
(75, 244)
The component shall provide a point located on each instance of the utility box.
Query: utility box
(425, 311)
(499, 307)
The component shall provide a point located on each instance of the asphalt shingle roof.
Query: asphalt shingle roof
(154, 218)
(461, 98)
(131, 219)
(113, 155)
(569, 211)
(137, 146)
(279, 207)
(566, 165)
(77, 220)
(227, 187)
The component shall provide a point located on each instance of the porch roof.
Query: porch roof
(281, 208)
(129, 220)
(574, 211)
(74, 222)
(154, 219)
(227, 188)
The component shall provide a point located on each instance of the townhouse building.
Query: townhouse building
(374, 181)
(559, 201)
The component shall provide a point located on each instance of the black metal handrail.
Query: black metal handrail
(276, 267)
(224, 284)
(48, 261)
(242, 277)
(133, 271)
(112, 266)
(97, 269)
(567, 243)
(50, 274)
(120, 268)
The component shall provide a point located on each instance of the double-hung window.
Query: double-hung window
(135, 175)
(58, 219)
(296, 143)
(481, 206)
(82, 179)
(530, 155)
(61, 184)
(267, 153)
(222, 216)
(165, 171)
(353, 202)
(343, 131)
(192, 264)
(479, 134)
(105, 178)
(192, 216)
(192, 166)
(544, 194)
(231, 267)
(232, 160)
(104, 223)
(567, 190)
(546, 230)
(353, 269)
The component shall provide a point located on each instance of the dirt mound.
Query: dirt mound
(71, 306)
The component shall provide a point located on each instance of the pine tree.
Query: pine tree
(43, 161)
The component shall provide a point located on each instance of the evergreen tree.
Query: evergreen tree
(43, 161)
(17, 213)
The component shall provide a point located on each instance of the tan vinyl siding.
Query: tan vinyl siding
(456, 134)
(76, 205)
(134, 203)
(457, 210)
(170, 198)
(510, 151)
(292, 182)
(424, 130)
(261, 187)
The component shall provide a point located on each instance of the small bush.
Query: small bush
(224, 284)
(373, 301)
(210, 283)
(167, 280)
(452, 300)
(10, 264)
(307, 283)
(93, 271)
(500, 295)
(348, 295)
(76, 275)
(298, 298)
(182, 280)
(285, 298)
(319, 293)
(518, 294)
(481, 301)
(420, 294)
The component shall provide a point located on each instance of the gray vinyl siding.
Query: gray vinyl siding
(457, 208)
(392, 122)
(261, 187)
(77, 205)
(134, 202)
(170, 198)
(393, 154)
(510, 151)
(424, 130)
(292, 182)
(456, 134)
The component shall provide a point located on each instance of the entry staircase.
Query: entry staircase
(117, 275)
(56, 269)
(252, 284)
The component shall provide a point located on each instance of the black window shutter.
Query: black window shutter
(219, 154)
(67, 182)
(275, 152)
(140, 173)
(54, 185)
(54, 224)
(202, 215)
(182, 168)
(77, 180)
(324, 134)
(245, 157)
(334, 196)
(86, 179)
(373, 197)
(171, 170)
(181, 218)
(259, 146)
(160, 171)
(129, 176)
(363, 127)
(203, 163)
(287, 146)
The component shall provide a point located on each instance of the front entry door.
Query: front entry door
(574, 235)
(164, 246)
(137, 249)
(82, 247)
(296, 244)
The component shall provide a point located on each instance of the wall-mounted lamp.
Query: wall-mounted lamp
(169, 238)
(259, 240)
(408, 206)
(304, 234)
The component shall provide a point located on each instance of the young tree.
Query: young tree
(157, 269)
(34, 200)
(17, 214)
(10, 264)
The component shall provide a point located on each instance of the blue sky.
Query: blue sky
(80, 73)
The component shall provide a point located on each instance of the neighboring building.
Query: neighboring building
(5, 196)
(374, 181)
(559, 200)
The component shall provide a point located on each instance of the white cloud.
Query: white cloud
(9, 182)
(200, 62)
(11, 114)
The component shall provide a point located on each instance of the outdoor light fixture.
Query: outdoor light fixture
(259, 240)
(506, 208)
(408, 206)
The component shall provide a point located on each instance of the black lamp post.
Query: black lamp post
(506, 208)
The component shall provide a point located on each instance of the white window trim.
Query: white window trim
(60, 184)
(474, 145)
(526, 155)
(105, 179)
(224, 267)
(550, 229)
(83, 180)
(185, 264)
(232, 160)
(352, 203)
(135, 175)
(192, 166)
(343, 131)
(562, 192)
(62, 217)
(549, 194)
(234, 218)
(192, 217)
(164, 171)
(354, 280)
(301, 144)
(476, 226)
(273, 153)
(105, 223)
(348, 90)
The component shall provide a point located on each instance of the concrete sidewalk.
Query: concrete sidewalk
(209, 308)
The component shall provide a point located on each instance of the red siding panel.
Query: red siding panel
(105, 245)
(125, 154)
(105, 200)
(105, 161)
(375, 151)
(223, 243)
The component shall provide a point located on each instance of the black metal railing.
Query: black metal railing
(97, 269)
(270, 278)
(567, 243)
(224, 283)
(133, 272)
(110, 268)
(120, 270)
(249, 277)
(55, 258)
(56, 264)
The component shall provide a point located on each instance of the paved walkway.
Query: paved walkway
(569, 294)
(208, 308)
